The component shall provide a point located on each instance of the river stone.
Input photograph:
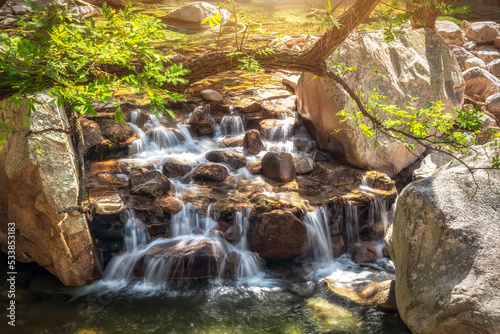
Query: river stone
(470, 46)
(211, 95)
(197, 12)
(410, 70)
(232, 141)
(483, 32)
(278, 166)
(39, 181)
(488, 55)
(365, 252)
(277, 236)
(474, 62)
(304, 166)
(210, 172)
(480, 83)
(149, 183)
(493, 104)
(461, 54)
(174, 167)
(494, 68)
(444, 245)
(229, 158)
(451, 32)
(252, 144)
(430, 164)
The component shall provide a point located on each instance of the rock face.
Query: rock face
(451, 32)
(410, 70)
(196, 12)
(252, 144)
(277, 236)
(149, 183)
(444, 244)
(210, 172)
(229, 158)
(483, 32)
(40, 180)
(481, 83)
(278, 166)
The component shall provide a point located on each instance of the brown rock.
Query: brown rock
(232, 141)
(252, 144)
(304, 166)
(278, 166)
(229, 158)
(277, 235)
(255, 167)
(116, 133)
(91, 132)
(173, 167)
(496, 43)
(149, 183)
(480, 82)
(169, 204)
(254, 107)
(382, 295)
(210, 172)
(365, 252)
(105, 202)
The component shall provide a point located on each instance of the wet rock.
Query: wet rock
(430, 164)
(116, 133)
(483, 32)
(197, 116)
(382, 295)
(481, 83)
(277, 236)
(278, 166)
(149, 183)
(169, 205)
(39, 181)
(211, 95)
(366, 252)
(494, 68)
(331, 318)
(451, 32)
(229, 158)
(304, 166)
(474, 62)
(255, 167)
(254, 107)
(194, 258)
(252, 144)
(493, 104)
(461, 55)
(438, 78)
(91, 132)
(210, 172)
(342, 290)
(233, 141)
(197, 12)
(444, 245)
(488, 55)
(106, 202)
(174, 167)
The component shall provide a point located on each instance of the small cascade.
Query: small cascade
(231, 125)
(318, 235)
(380, 216)
(195, 249)
(278, 138)
(350, 216)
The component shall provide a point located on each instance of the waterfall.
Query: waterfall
(279, 138)
(231, 125)
(350, 216)
(318, 235)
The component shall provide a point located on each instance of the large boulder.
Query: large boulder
(411, 68)
(483, 32)
(40, 189)
(277, 236)
(444, 245)
(278, 166)
(229, 158)
(210, 172)
(480, 83)
(451, 32)
(252, 144)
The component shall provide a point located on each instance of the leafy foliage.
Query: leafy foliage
(325, 17)
(52, 51)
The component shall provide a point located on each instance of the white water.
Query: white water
(318, 235)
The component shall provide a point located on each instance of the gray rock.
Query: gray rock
(304, 166)
(20, 10)
(430, 164)
(493, 103)
(444, 245)
(474, 62)
(461, 55)
(197, 12)
(488, 55)
(451, 32)
(483, 32)
(435, 77)
(494, 68)
(9, 21)
(480, 83)
(211, 95)
(469, 46)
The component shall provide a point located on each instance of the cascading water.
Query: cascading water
(318, 235)
(351, 224)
